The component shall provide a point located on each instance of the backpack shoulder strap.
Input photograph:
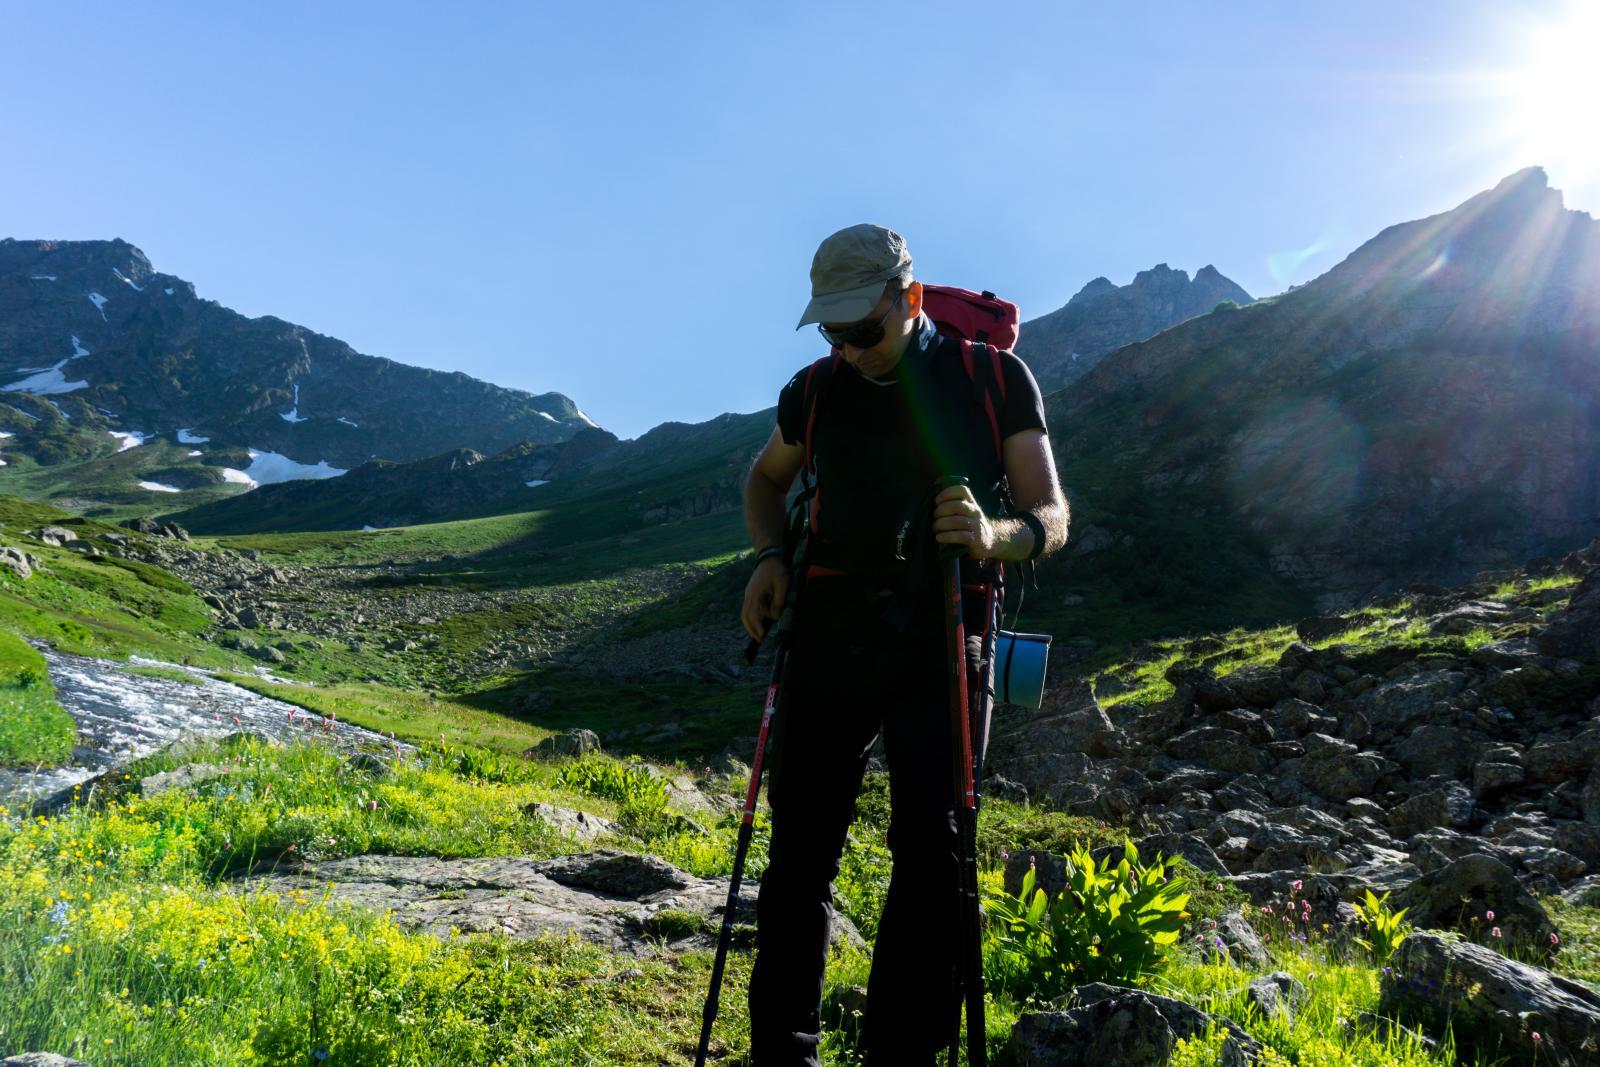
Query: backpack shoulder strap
(818, 377)
(982, 365)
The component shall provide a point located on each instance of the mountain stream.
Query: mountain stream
(123, 717)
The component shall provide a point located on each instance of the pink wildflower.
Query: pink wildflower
(1488, 916)
(1296, 884)
(1495, 932)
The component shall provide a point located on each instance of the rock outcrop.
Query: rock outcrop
(1495, 1005)
(1461, 774)
(1062, 346)
(625, 902)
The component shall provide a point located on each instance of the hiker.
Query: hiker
(867, 651)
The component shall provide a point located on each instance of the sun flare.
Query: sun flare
(1550, 93)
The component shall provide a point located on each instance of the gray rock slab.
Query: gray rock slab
(608, 898)
(1495, 1004)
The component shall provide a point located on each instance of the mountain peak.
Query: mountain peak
(1061, 346)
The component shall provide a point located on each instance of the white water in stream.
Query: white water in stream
(122, 717)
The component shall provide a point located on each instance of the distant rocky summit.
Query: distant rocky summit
(1062, 346)
(90, 332)
(1428, 408)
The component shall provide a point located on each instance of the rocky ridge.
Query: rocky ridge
(155, 356)
(1101, 317)
(1426, 409)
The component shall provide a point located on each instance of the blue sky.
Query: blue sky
(620, 201)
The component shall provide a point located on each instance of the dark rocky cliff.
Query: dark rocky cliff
(151, 352)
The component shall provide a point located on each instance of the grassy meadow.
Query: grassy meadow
(131, 934)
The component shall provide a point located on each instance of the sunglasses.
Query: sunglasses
(859, 334)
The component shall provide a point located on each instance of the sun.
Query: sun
(1550, 98)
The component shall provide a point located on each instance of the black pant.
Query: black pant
(848, 677)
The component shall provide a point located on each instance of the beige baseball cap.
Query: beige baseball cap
(849, 271)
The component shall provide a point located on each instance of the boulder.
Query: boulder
(16, 561)
(1118, 1032)
(1575, 633)
(1262, 687)
(1240, 944)
(570, 743)
(1203, 688)
(1450, 805)
(1458, 895)
(1337, 777)
(1111, 1026)
(56, 536)
(1493, 1004)
(576, 824)
(1435, 748)
(1276, 992)
(1395, 706)
(41, 1059)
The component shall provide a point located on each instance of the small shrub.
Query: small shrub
(1112, 923)
(601, 776)
(1386, 929)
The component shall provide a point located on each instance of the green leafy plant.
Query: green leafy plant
(1385, 928)
(1111, 923)
(603, 777)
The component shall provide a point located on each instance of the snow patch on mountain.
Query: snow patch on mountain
(43, 277)
(537, 482)
(158, 487)
(269, 467)
(99, 303)
(346, 421)
(129, 439)
(238, 477)
(293, 414)
(136, 287)
(186, 437)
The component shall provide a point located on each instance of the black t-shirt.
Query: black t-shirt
(880, 445)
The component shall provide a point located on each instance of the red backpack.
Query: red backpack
(984, 324)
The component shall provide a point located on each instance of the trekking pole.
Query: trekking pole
(969, 923)
(780, 653)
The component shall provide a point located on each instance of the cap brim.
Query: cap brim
(852, 305)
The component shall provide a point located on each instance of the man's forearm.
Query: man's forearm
(763, 512)
(1014, 537)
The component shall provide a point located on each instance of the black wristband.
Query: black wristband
(767, 553)
(1032, 522)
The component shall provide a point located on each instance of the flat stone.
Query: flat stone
(607, 898)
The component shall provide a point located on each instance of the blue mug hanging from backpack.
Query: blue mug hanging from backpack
(1019, 667)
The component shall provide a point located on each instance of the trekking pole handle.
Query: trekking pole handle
(950, 551)
(779, 631)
